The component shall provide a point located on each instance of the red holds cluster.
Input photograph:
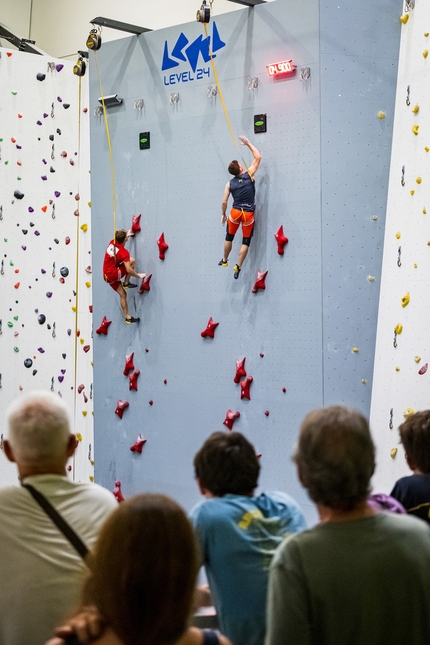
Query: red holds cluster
(103, 329)
(230, 418)
(120, 407)
(244, 388)
(137, 446)
(240, 370)
(133, 379)
(129, 365)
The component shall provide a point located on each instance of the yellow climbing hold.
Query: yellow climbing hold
(416, 109)
(355, 349)
(398, 235)
(418, 180)
(84, 228)
(425, 53)
(426, 34)
(426, 148)
(91, 462)
(417, 359)
(404, 19)
(374, 217)
(381, 115)
(363, 380)
(425, 210)
(397, 369)
(90, 204)
(398, 328)
(73, 308)
(393, 452)
(84, 412)
(91, 478)
(406, 299)
(82, 341)
(78, 436)
(412, 192)
(415, 266)
(415, 129)
(408, 412)
(371, 278)
(88, 284)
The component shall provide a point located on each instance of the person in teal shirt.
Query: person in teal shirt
(238, 533)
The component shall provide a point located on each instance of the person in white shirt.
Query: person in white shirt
(40, 570)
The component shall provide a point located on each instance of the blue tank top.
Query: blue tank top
(243, 190)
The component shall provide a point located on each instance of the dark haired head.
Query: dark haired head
(335, 456)
(415, 437)
(227, 463)
(143, 571)
(121, 236)
(234, 168)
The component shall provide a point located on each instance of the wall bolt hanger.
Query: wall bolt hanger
(138, 104)
(305, 73)
(252, 83)
(212, 91)
(174, 98)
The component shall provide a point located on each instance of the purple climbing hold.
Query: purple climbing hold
(30, 209)
(59, 67)
(39, 122)
(69, 331)
(49, 294)
(41, 350)
(18, 147)
(61, 379)
(44, 161)
(36, 311)
(44, 177)
(45, 115)
(57, 193)
(42, 271)
(36, 233)
(59, 99)
(63, 371)
(24, 248)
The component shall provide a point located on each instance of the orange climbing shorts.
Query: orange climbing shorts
(115, 280)
(239, 216)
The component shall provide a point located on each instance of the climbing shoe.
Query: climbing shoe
(236, 270)
(130, 285)
(132, 320)
(223, 263)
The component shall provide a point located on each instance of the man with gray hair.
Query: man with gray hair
(40, 570)
(359, 577)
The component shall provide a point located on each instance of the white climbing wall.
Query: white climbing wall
(401, 382)
(44, 201)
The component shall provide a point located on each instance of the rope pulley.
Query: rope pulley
(204, 13)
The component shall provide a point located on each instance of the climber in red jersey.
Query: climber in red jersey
(118, 264)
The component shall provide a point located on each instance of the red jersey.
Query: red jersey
(115, 256)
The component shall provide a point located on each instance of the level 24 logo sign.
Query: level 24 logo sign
(185, 52)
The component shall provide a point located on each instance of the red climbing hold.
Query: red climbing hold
(120, 407)
(281, 240)
(267, 413)
(103, 329)
(240, 370)
(90, 309)
(230, 418)
(210, 329)
(135, 223)
(86, 348)
(137, 446)
(67, 240)
(260, 282)
(165, 381)
(244, 388)
(44, 209)
(284, 389)
(117, 492)
(133, 379)
(16, 285)
(145, 286)
(129, 365)
(162, 247)
(151, 402)
(80, 388)
(424, 369)
(8, 54)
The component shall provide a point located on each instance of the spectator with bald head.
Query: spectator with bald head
(360, 576)
(40, 570)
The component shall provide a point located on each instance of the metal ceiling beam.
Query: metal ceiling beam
(22, 44)
(121, 26)
(248, 3)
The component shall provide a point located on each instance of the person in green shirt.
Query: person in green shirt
(360, 577)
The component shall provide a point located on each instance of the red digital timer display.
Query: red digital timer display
(286, 67)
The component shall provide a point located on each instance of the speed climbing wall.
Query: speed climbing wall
(45, 270)
(401, 381)
(308, 336)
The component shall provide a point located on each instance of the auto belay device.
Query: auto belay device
(204, 13)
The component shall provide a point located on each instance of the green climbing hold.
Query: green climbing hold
(19, 178)
(14, 93)
(10, 324)
(5, 239)
(11, 263)
(16, 349)
(15, 317)
(6, 163)
(1, 140)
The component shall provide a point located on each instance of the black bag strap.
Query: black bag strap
(59, 521)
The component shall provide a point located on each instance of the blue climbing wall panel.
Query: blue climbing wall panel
(288, 333)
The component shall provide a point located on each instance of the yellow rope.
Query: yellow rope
(223, 102)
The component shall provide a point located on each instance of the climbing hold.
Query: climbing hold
(397, 369)
(284, 389)
(8, 54)
(417, 359)
(18, 194)
(120, 407)
(424, 211)
(393, 452)
(281, 240)
(40, 76)
(426, 34)
(64, 154)
(412, 192)
(16, 349)
(57, 193)
(210, 329)
(267, 413)
(64, 272)
(245, 387)
(371, 278)
(260, 282)
(135, 223)
(416, 109)
(66, 106)
(84, 228)
(67, 240)
(261, 355)
(49, 294)
(132, 378)
(230, 418)
(381, 115)
(398, 328)
(16, 285)
(151, 402)
(406, 299)
(418, 180)
(404, 19)
(34, 372)
(425, 53)
(138, 444)
(117, 492)
(129, 365)
(103, 329)
(86, 348)
(424, 369)
(240, 370)
(88, 285)
(415, 129)
(363, 380)
(165, 381)
(408, 412)
(41, 350)
(145, 286)
(88, 269)
(44, 177)
(355, 349)
(415, 266)
(162, 247)
(77, 197)
(426, 148)
(80, 388)
(84, 412)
